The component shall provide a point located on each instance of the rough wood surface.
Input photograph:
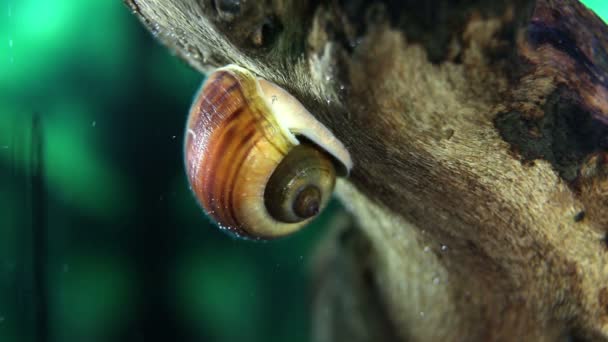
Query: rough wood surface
(479, 132)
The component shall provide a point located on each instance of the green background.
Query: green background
(100, 240)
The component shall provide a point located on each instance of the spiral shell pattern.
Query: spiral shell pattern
(234, 142)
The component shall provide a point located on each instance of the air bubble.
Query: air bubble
(156, 30)
(356, 42)
(193, 52)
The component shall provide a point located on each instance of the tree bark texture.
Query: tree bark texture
(479, 132)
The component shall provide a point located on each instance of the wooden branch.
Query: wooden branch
(479, 132)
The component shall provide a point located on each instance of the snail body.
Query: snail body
(258, 162)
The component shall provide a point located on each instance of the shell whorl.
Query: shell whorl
(239, 131)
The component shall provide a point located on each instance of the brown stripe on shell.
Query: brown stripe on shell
(203, 120)
(229, 151)
(218, 93)
(209, 112)
(257, 138)
(233, 125)
(221, 143)
(264, 125)
(247, 143)
(232, 162)
(214, 175)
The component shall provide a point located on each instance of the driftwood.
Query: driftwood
(479, 132)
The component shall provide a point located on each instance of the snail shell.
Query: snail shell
(258, 162)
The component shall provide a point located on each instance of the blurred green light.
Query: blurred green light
(42, 42)
(42, 19)
(47, 49)
(216, 295)
(600, 7)
(76, 170)
(90, 295)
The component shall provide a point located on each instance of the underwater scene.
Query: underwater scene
(101, 238)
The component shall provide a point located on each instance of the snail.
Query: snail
(257, 160)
